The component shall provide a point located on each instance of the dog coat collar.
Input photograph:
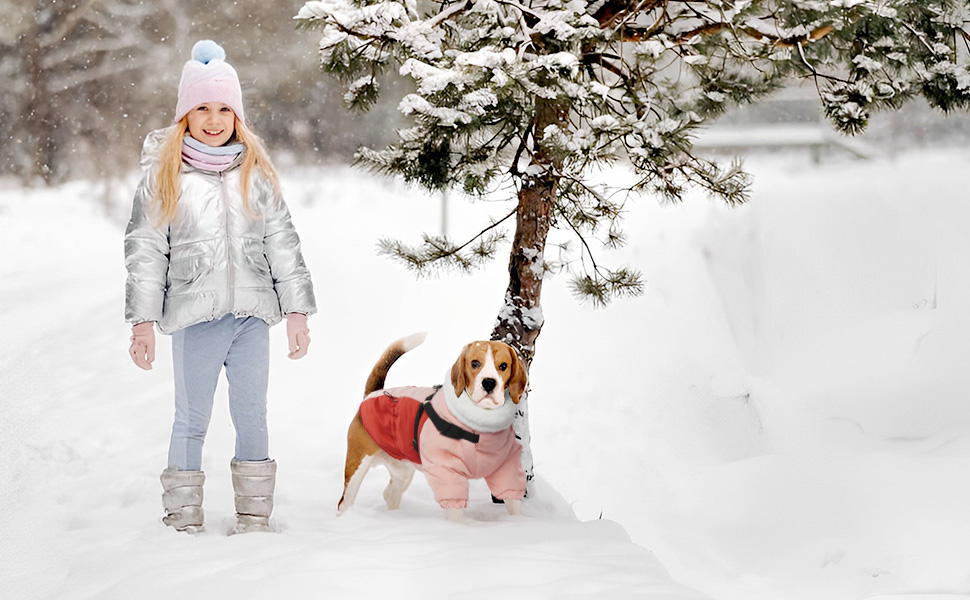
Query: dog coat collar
(484, 420)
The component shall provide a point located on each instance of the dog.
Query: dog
(458, 431)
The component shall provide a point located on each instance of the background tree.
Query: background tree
(87, 79)
(58, 59)
(537, 93)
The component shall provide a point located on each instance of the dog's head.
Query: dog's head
(485, 370)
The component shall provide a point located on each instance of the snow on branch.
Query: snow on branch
(557, 88)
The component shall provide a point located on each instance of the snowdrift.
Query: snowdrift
(782, 415)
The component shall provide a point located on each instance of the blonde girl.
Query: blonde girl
(214, 260)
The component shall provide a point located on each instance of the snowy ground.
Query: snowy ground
(783, 415)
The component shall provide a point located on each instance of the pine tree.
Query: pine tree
(537, 93)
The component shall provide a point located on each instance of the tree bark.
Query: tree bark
(520, 319)
(37, 117)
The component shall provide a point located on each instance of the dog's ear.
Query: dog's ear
(458, 372)
(519, 379)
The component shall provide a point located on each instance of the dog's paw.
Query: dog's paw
(456, 515)
(514, 506)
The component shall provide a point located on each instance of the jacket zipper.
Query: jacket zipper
(229, 272)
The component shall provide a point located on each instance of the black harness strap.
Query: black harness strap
(449, 430)
(417, 427)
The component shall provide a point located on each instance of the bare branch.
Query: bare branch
(71, 19)
(487, 229)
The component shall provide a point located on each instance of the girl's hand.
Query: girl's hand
(142, 349)
(298, 335)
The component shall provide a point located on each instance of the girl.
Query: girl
(213, 259)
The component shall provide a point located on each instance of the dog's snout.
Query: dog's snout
(488, 384)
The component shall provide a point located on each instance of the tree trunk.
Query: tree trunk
(37, 113)
(520, 319)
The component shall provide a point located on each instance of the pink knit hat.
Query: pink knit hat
(208, 78)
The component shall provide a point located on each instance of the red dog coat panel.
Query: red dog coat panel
(388, 418)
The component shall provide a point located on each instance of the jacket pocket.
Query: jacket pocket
(259, 265)
(257, 262)
(184, 272)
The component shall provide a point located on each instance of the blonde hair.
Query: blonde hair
(167, 188)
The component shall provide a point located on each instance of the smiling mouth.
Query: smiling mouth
(212, 133)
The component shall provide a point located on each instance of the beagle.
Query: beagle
(454, 432)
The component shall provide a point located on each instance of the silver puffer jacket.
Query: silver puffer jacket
(214, 258)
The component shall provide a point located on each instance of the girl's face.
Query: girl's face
(212, 123)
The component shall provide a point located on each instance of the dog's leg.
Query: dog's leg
(456, 515)
(352, 486)
(514, 506)
(401, 474)
(361, 453)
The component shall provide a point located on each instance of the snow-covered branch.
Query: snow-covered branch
(623, 79)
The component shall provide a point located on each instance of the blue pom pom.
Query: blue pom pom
(207, 50)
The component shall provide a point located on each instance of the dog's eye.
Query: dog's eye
(503, 366)
(476, 364)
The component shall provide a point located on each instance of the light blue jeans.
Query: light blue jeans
(241, 345)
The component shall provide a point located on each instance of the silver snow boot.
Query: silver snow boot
(253, 482)
(182, 498)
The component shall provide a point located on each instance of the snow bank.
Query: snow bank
(781, 415)
(84, 434)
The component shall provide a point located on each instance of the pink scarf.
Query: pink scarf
(209, 158)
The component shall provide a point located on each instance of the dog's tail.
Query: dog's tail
(375, 381)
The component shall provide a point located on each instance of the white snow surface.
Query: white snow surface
(784, 413)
